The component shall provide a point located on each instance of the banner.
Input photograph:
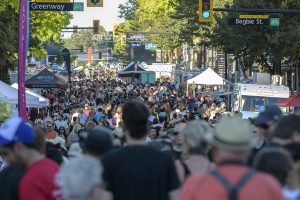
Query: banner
(90, 56)
(22, 54)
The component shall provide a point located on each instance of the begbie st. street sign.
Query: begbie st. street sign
(248, 22)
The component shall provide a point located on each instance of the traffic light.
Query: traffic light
(81, 49)
(206, 11)
(100, 55)
(116, 28)
(94, 3)
(75, 29)
(96, 26)
(123, 39)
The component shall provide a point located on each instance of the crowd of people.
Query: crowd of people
(107, 139)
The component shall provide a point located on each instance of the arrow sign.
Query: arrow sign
(36, 6)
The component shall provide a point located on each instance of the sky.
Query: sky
(107, 15)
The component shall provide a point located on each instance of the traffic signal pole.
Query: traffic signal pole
(253, 11)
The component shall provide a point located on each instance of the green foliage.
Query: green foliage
(84, 38)
(44, 27)
(268, 46)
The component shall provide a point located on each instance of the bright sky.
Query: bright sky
(107, 15)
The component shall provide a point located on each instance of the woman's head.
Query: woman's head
(275, 161)
(193, 133)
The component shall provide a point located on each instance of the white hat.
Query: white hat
(75, 150)
(232, 134)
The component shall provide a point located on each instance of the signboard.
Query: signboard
(150, 46)
(274, 22)
(138, 37)
(90, 55)
(248, 22)
(136, 45)
(36, 6)
(78, 6)
(22, 54)
(94, 3)
(254, 16)
(52, 1)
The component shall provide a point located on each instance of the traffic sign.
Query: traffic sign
(254, 16)
(78, 6)
(36, 6)
(136, 45)
(150, 46)
(274, 22)
(248, 22)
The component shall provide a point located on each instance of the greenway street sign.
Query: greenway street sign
(52, 1)
(274, 22)
(36, 6)
(248, 22)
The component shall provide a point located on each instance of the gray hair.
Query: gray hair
(194, 133)
(79, 176)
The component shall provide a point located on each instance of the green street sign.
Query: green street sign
(274, 22)
(78, 6)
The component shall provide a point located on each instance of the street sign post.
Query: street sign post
(60, 7)
(136, 45)
(56, 5)
(52, 1)
(248, 22)
(274, 22)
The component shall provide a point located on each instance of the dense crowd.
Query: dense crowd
(107, 139)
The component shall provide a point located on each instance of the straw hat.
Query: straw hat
(232, 134)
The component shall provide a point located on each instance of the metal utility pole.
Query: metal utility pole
(226, 66)
(67, 58)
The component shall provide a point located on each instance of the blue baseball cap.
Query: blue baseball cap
(16, 130)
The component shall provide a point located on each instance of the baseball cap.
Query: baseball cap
(97, 140)
(16, 130)
(270, 113)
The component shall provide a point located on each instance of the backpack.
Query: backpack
(233, 191)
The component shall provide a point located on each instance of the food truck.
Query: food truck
(252, 98)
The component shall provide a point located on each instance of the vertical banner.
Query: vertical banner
(22, 54)
(90, 56)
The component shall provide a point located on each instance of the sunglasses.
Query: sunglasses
(264, 126)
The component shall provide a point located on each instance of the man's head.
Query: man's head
(49, 125)
(135, 117)
(232, 140)
(96, 141)
(288, 128)
(17, 138)
(267, 120)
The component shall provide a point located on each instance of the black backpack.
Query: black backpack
(233, 191)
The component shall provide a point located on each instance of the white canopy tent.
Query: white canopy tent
(10, 95)
(208, 77)
(43, 102)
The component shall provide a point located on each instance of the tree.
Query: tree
(85, 39)
(44, 27)
(268, 46)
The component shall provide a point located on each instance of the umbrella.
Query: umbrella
(290, 102)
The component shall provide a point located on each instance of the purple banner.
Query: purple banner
(22, 55)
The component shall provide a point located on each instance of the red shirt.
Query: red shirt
(205, 186)
(39, 181)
